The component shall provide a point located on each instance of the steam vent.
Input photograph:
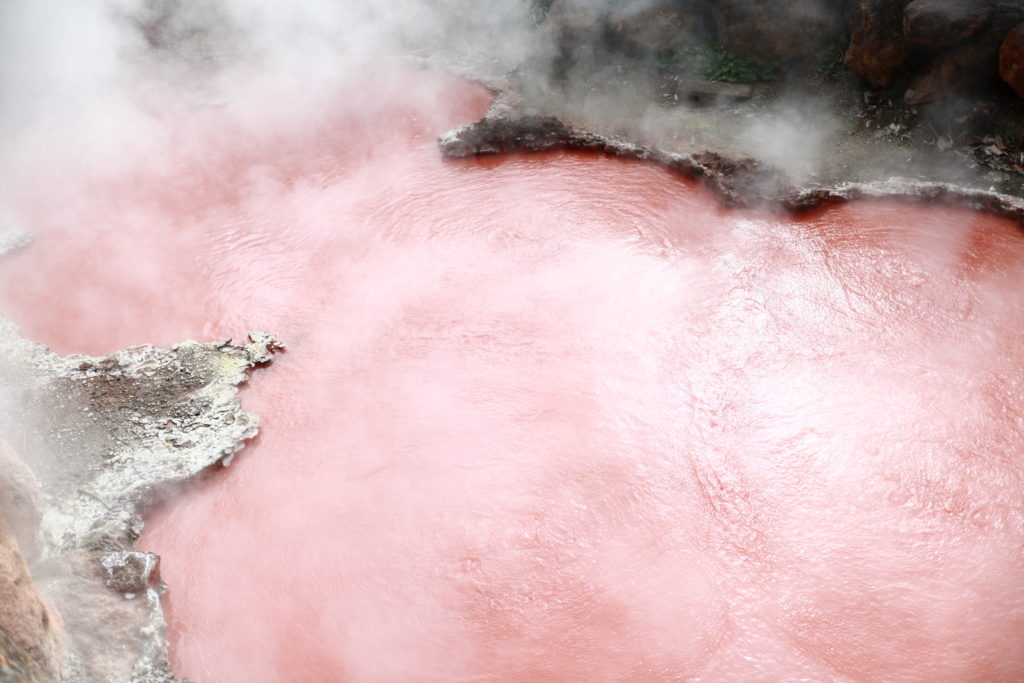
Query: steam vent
(522, 341)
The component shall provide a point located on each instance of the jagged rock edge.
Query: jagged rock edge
(151, 663)
(738, 182)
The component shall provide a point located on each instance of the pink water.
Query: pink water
(558, 417)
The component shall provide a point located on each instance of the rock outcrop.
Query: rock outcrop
(877, 46)
(938, 23)
(971, 65)
(30, 642)
(106, 436)
(960, 46)
(738, 182)
(1011, 59)
(785, 32)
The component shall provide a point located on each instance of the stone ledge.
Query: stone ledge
(739, 182)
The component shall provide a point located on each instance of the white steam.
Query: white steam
(99, 79)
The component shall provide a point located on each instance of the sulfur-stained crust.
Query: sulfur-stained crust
(106, 436)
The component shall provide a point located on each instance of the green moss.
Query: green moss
(727, 66)
(832, 63)
(715, 62)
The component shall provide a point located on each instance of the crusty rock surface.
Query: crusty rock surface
(106, 436)
(877, 47)
(739, 182)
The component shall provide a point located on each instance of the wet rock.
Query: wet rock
(785, 31)
(30, 648)
(877, 47)
(1011, 59)
(937, 23)
(738, 182)
(908, 190)
(496, 134)
(131, 572)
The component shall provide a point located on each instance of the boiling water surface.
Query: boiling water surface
(558, 417)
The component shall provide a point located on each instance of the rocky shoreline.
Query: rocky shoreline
(915, 100)
(790, 108)
(97, 441)
(739, 182)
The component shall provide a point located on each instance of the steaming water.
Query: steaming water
(558, 417)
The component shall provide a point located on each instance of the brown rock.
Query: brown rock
(19, 500)
(972, 65)
(131, 571)
(785, 31)
(877, 44)
(1011, 59)
(29, 638)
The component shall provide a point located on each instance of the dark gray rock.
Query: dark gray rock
(784, 31)
(937, 23)
(970, 66)
(739, 182)
(591, 35)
